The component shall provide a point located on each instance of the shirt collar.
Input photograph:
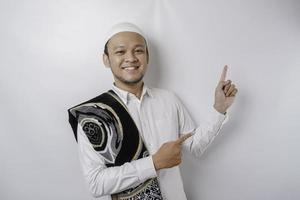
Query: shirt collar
(124, 95)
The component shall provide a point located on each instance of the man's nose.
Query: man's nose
(130, 57)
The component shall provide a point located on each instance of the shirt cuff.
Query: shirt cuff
(218, 117)
(146, 169)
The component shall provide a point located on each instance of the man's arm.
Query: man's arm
(105, 181)
(224, 97)
(204, 134)
(196, 140)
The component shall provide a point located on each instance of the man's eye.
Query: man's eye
(139, 50)
(119, 52)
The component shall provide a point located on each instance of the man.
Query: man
(130, 138)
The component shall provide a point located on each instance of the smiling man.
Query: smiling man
(127, 57)
(130, 138)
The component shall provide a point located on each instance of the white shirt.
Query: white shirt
(160, 117)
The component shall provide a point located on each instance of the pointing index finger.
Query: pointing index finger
(224, 72)
(184, 137)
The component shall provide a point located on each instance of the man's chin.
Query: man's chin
(130, 81)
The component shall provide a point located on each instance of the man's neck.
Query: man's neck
(135, 89)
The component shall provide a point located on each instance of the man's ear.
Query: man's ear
(106, 60)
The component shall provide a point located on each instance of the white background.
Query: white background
(50, 60)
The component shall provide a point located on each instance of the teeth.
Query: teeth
(130, 68)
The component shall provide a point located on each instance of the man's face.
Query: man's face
(127, 57)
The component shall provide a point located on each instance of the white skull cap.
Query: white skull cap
(124, 27)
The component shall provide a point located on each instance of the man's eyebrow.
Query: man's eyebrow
(123, 46)
(140, 45)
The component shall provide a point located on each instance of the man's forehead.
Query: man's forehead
(124, 39)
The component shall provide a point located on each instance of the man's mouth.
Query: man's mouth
(130, 67)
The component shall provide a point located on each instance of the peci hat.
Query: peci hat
(124, 27)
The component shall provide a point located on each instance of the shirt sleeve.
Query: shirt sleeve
(103, 181)
(204, 134)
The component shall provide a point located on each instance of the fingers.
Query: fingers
(229, 88)
(231, 91)
(226, 86)
(183, 138)
(224, 72)
(222, 81)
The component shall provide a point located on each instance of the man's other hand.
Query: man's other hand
(169, 154)
(225, 93)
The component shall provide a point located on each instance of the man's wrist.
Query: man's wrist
(220, 110)
(156, 162)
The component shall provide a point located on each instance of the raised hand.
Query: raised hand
(169, 154)
(225, 93)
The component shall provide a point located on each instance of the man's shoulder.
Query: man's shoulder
(89, 100)
(162, 93)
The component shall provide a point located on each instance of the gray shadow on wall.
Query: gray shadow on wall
(153, 74)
